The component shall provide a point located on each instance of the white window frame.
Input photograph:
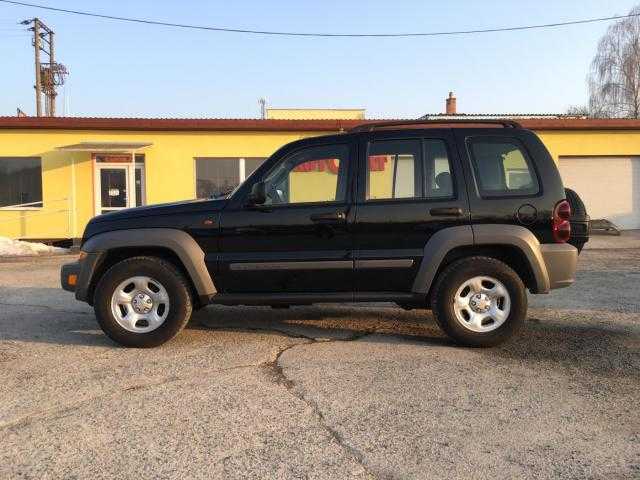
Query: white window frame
(130, 169)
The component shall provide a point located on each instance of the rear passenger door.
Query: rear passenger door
(409, 187)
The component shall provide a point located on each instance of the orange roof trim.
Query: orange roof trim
(270, 125)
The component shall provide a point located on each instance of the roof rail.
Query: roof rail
(368, 127)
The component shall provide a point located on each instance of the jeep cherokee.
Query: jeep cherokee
(459, 217)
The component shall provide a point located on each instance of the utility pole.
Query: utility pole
(49, 74)
(51, 96)
(36, 44)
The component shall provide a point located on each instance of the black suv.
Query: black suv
(460, 218)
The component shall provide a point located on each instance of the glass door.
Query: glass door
(112, 192)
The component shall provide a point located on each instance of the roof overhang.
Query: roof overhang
(111, 147)
(252, 125)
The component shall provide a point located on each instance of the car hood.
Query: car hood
(174, 208)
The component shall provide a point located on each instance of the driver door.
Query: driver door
(300, 239)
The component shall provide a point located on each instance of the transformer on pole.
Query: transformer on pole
(49, 74)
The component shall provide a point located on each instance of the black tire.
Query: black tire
(577, 205)
(452, 278)
(180, 301)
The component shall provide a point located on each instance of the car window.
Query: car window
(501, 168)
(314, 174)
(438, 176)
(393, 169)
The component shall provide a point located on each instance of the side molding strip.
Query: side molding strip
(311, 265)
(385, 263)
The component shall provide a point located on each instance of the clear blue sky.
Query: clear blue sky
(120, 69)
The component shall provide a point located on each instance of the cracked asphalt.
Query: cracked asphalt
(323, 392)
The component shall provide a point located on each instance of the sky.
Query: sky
(132, 70)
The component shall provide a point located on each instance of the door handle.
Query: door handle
(446, 212)
(333, 217)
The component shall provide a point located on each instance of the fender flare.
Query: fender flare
(435, 250)
(179, 242)
(442, 242)
(521, 238)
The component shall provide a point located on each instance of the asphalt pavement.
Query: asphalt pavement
(323, 392)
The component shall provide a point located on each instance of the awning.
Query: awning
(112, 147)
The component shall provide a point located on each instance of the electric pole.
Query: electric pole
(49, 75)
(36, 44)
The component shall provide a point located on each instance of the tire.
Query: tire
(159, 280)
(577, 205)
(507, 312)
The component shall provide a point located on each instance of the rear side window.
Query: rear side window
(439, 181)
(502, 168)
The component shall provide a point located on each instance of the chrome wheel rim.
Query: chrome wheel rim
(140, 304)
(482, 304)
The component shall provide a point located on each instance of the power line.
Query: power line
(303, 34)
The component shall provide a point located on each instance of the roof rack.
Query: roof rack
(368, 127)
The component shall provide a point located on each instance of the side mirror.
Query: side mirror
(258, 195)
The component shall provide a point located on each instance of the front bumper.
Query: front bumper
(76, 277)
(69, 274)
(561, 261)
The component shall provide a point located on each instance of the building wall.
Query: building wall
(590, 142)
(169, 169)
(67, 177)
(315, 114)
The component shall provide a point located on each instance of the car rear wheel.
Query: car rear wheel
(479, 301)
(142, 302)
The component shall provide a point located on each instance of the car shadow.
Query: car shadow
(53, 317)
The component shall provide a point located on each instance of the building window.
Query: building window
(216, 176)
(502, 169)
(21, 182)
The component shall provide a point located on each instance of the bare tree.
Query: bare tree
(614, 80)
(578, 111)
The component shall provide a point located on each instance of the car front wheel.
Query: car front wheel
(479, 301)
(142, 302)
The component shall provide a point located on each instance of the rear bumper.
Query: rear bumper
(561, 260)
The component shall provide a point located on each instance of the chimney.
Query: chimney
(451, 104)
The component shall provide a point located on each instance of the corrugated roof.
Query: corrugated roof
(176, 124)
(226, 124)
(472, 116)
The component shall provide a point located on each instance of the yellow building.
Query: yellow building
(57, 173)
(315, 113)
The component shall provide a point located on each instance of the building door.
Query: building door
(118, 186)
(608, 186)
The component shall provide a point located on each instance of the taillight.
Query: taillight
(561, 225)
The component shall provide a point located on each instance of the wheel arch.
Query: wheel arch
(514, 245)
(173, 245)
